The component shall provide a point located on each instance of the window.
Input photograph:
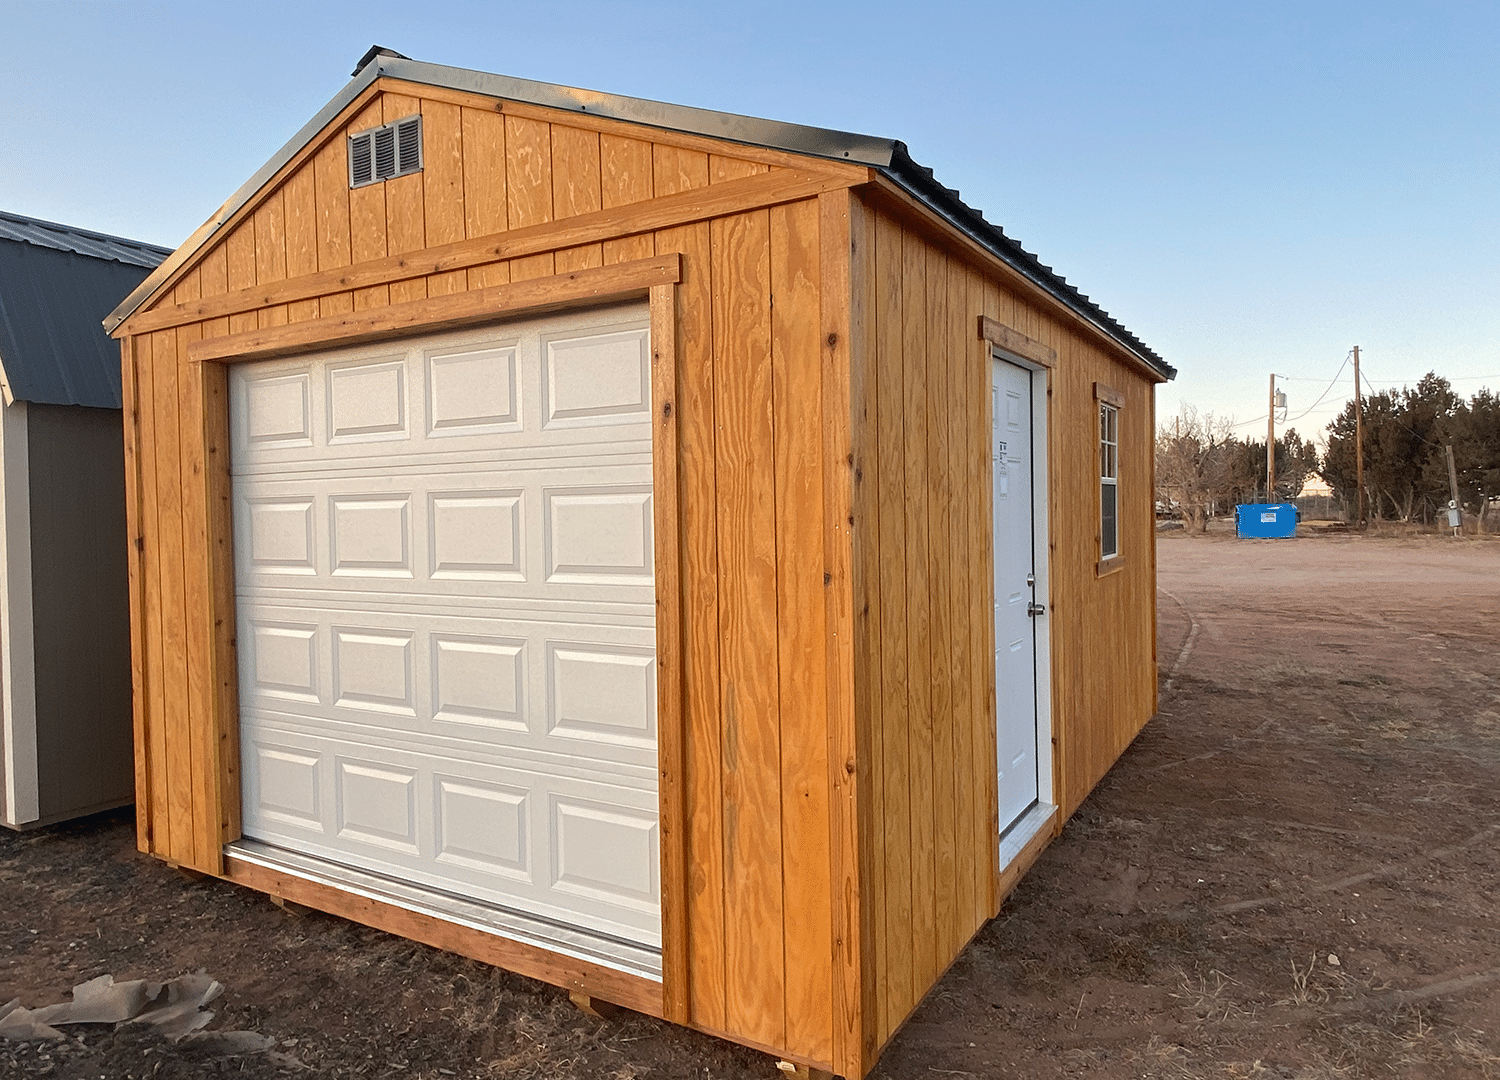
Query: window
(1110, 403)
(385, 152)
(1109, 481)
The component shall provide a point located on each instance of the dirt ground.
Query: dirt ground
(1290, 875)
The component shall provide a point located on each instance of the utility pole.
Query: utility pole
(1359, 443)
(1453, 486)
(1271, 443)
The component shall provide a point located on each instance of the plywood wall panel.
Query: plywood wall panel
(443, 208)
(749, 698)
(625, 170)
(894, 719)
(178, 771)
(147, 529)
(806, 872)
(927, 964)
(301, 204)
(269, 224)
(197, 608)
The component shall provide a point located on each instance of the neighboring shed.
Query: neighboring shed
(607, 525)
(64, 620)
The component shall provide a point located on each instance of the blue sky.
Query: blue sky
(1249, 187)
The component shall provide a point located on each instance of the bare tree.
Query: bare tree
(1195, 460)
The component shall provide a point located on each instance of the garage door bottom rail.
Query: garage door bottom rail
(594, 948)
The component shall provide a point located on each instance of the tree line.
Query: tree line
(1203, 468)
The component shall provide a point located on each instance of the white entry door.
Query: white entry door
(444, 579)
(1015, 595)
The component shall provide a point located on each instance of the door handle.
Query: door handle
(1034, 609)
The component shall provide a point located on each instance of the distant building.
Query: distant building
(65, 708)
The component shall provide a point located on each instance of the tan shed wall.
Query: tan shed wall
(924, 631)
(758, 885)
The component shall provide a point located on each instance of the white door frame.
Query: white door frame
(1019, 834)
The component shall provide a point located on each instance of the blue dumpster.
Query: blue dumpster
(1265, 519)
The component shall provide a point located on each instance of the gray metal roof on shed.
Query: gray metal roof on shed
(56, 284)
(888, 155)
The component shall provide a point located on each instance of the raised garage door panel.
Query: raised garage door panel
(445, 590)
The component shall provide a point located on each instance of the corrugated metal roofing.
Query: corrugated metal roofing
(56, 284)
(887, 155)
(80, 241)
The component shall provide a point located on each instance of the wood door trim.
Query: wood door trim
(536, 296)
(671, 749)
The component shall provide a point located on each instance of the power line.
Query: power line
(1325, 393)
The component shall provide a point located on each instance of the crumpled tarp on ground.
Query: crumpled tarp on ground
(175, 1009)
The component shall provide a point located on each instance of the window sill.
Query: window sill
(1106, 567)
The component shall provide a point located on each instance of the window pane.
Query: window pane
(1109, 530)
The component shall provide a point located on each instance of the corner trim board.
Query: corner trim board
(17, 649)
(532, 297)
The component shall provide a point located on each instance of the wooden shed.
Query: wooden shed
(65, 745)
(594, 536)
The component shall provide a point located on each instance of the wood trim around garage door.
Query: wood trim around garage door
(668, 999)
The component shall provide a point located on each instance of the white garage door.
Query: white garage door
(443, 556)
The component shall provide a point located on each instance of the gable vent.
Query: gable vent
(385, 152)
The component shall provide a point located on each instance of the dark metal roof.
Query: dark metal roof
(56, 284)
(887, 155)
(98, 245)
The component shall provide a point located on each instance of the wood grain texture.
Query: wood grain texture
(269, 227)
(889, 653)
(700, 604)
(926, 962)
(134, 579)
(148, 535)
(997, 333)
(368, 222)
(443, 209)
(301, 204)
(605, 226)
(749, 693)
(177, 774)
(939, 452)
(331, 185)
(863, 535)
(445, 312)
(806, 873)
(485, 190)
(221, 620)
(201, 776)
(625, 170)
(671, 744)
(405, 209)
(850, 953)
(959, 344)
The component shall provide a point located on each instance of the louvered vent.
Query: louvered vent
(385, 152)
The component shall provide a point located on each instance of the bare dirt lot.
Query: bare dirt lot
(1291, 875)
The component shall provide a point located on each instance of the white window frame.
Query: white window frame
(1110, 403)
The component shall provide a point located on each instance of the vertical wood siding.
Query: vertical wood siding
(924, 625)
(750, 484)
(834, 536)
